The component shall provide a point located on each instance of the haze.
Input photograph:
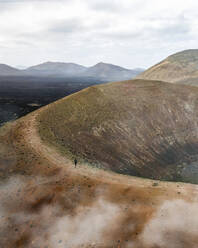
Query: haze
(129, 33)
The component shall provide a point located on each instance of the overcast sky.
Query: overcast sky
(130, 33)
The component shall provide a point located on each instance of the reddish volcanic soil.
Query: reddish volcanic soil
(48, 203)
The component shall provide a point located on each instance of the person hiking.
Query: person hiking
(75, 162)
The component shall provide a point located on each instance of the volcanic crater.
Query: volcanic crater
(139, 127)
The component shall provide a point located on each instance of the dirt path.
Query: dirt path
(37, 203)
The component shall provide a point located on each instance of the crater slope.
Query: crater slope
(141, 128)
(181, 67)
(46, 202)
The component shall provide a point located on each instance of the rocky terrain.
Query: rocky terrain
(48, 202)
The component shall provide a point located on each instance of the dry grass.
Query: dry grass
(178, 68)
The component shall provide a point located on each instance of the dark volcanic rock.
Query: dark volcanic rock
(22, 95)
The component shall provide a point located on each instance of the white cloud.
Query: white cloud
(130, 33)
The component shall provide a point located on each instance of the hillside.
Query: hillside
(181, 67)
(111, 72)
(100, 71)
(6, 70)
(55, 69)
(47, 202)
(141, 128)
(20, 95)
(23, 91)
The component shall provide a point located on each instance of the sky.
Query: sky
(129, 33)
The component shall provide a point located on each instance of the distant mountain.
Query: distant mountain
(101, 71)
(111, 72)
(181, 67)
(6, 70)
(55, 69)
